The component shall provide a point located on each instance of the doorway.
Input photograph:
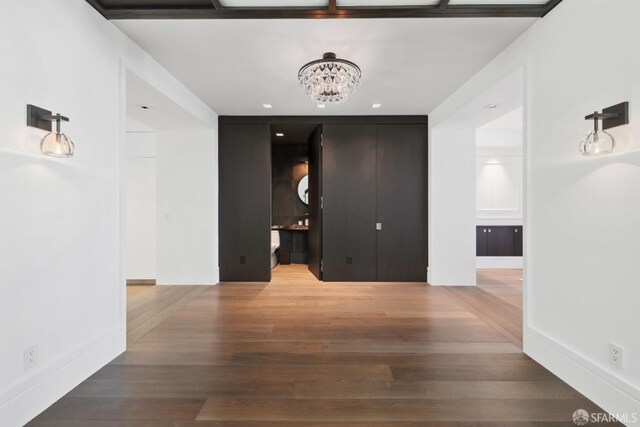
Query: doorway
(169, 237)
(500, 206)
(295, 199)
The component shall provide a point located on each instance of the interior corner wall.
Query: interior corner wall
(187, 207)
(582, 226)
(452, 207)
(61, 276)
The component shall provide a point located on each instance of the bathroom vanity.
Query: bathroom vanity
(294, 241)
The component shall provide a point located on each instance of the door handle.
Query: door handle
(489, 230)
(378, 226)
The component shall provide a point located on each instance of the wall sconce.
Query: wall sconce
(55, 144)
(599, 142)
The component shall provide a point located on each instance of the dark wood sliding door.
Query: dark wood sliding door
(401, 202)
(315, 203)
(349, 205)
(245, 202)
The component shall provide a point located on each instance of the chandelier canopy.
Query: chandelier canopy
(329, 80)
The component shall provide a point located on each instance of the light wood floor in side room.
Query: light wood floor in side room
(297, 352)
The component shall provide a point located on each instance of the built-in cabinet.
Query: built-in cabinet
(368, 211)
(498, 241)
(375, 202)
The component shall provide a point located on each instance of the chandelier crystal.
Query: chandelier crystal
(329, 80)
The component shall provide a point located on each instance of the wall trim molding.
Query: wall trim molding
(22, 401)
(603, 388)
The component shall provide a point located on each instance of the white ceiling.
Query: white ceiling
(408, 65)
(505, 96)
(512, 121)
(161, 112)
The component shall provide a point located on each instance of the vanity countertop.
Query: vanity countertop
(294, 227)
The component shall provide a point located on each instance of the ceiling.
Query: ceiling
(314, 9)
(503, 97)
(149, 110)
(512, 121)
(292, 133)
(408, 65)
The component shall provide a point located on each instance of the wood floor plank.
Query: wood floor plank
(415, 389)
(154, 316)
(119, 408)
(392, 410)
(301, 353)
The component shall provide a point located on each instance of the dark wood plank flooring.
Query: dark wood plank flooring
(298, 352)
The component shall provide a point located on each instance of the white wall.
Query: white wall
(581, 214)
(499, 186)
(141, 206)
(61, 275)
(187, 208)
(499, 189)
(452, 207)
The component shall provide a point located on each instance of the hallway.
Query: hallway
(298, 352)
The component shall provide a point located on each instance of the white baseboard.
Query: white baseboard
(498, 262)
(23, 401)
(604, 389)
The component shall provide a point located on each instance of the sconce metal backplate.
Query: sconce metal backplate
(622, 116)
(34, 118)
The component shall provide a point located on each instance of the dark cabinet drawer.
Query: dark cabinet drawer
(498, 240)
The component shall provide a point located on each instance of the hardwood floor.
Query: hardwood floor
(298, 352)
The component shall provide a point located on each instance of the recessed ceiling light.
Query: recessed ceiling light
(491, 106)
(279, 134)
(144, 107)
(376, 105)
(321, 105)
(267, 106)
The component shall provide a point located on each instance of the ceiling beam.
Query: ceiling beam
(98, 6)
(443, 4)
(217, 5)
(451, 11)
(550, 5)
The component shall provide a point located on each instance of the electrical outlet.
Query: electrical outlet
(30, 357)
(615, 355)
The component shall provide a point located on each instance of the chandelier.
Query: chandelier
(329, 79)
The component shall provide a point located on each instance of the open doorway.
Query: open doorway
(295, 198)
(499, 206)
(478, 205)
(169, 183)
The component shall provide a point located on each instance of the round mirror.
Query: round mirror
(303, 189)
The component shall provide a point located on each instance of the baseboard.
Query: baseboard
(23, 401)
(604, 389)
(498, 262)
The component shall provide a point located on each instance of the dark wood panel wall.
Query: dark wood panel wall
(245, 202)
(288, 168)
(349, 208)
(499, 240)
(372, 166)
(402, 198)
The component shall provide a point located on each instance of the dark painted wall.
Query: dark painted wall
(288, 168)
(245, 201)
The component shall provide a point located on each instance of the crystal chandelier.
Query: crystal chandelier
(329, 80)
